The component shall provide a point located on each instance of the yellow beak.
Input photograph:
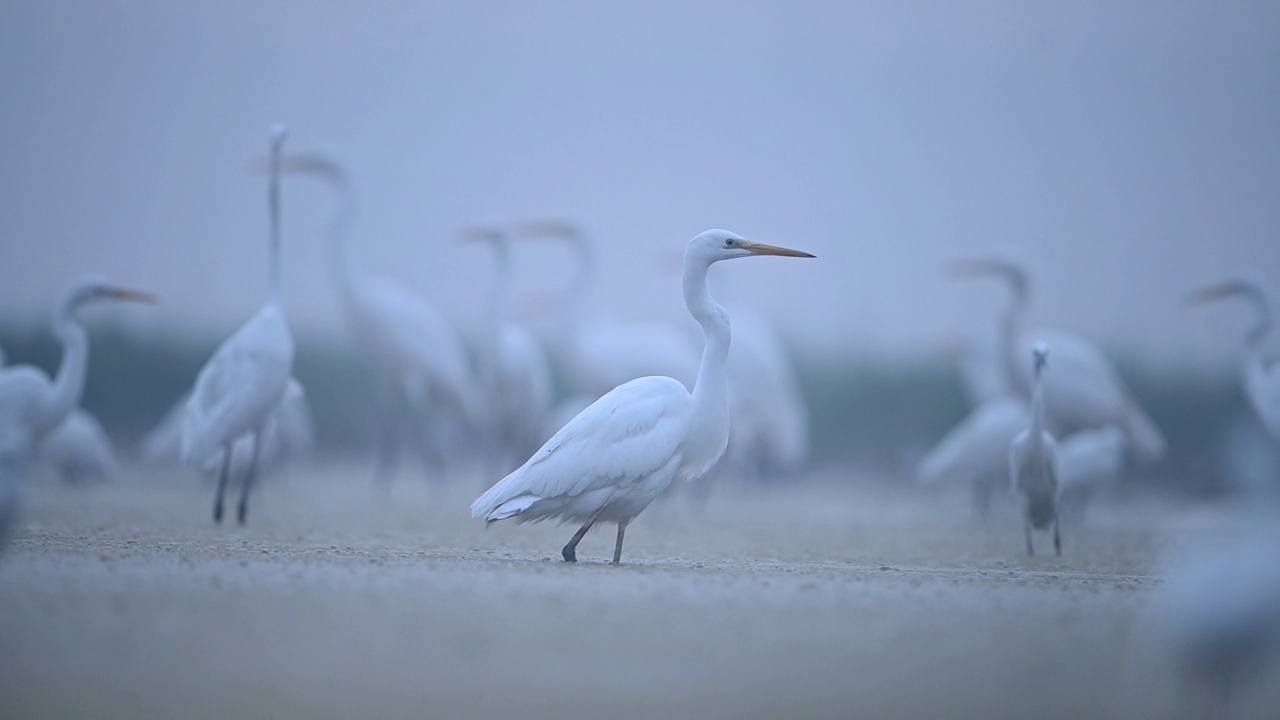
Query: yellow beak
(761, 249)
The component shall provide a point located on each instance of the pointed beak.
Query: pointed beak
(120, 293)
(761, 249)
(547, 229)
(1211, 293)
(476, 234)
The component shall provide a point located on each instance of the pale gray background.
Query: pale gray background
(1132, 150)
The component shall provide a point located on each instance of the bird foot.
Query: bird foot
(242, 512)
(569, 554)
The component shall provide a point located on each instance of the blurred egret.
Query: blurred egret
(597, 354)
(246, 378)
(513, 365)
(417, 353)
(1089, 461)
(1084, 390)
(1260, 376)
(31, 405)
(976, 452)
(79, 449)
(1033, 463)
(770, 428)
(621, 452)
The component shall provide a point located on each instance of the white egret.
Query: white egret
(976, 452)
(79, 449)
(1084, 390)
(620, 453)
(596, 354)
(1033, 463)
(514, 369)
(417, 353)
(31, 405)
(1218, 614)
(770, 429)
(1089, 462)
(246, 378)
(1260, 376)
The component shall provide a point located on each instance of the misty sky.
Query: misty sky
(1130, 150)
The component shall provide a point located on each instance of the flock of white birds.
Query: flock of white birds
(1052, 422)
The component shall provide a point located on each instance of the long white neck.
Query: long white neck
(68, 384)
(498, 293)
(1037, 405)
(711, 389)
(1261, 327)
(273, 206)
(342, 266)
(1012, 324)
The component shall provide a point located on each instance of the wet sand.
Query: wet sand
(826, 598)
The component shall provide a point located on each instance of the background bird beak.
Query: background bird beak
(762, 249)
(1213, 292)
(547, 229)
(134, 295)
(476, 233)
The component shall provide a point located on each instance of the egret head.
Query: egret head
(1040, 357)
(90, 289)
(716, 245)
(1235, 287)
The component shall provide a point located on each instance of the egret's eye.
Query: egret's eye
(730, 242)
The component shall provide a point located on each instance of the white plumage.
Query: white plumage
(1033, 463)
(244, 381)
(616, 456)
(418, 355)
(1084, 391)
(79, 449)
(976, 452)
(32, 405)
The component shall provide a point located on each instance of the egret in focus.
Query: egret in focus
(1084, 391)
(246, 378)
(514, 369)
(418, 355)
(32, 405)
(1260, 375)
(609, 462)
(1033, 463)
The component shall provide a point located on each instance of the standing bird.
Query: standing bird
(418, 355)
(1084, 391)
(616, 456)
(1260, 376)
(976, 452)
(514, 369)
(32, 406)
(245, 380)
(1033, 463)
(79, 450)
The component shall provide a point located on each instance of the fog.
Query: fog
(1128, 150)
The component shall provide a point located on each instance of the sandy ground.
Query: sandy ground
(826, 598)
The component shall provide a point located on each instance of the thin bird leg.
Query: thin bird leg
(1057, 541)
(1026, 531)
(222, 483)
(569, 553)
(242, 511)
(617, 548)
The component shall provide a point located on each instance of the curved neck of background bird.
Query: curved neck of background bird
(1037, 404)
(68, 384)
(273, 203)
(712, 385)
(1261, 327)
(498, 295)
(342, 265)
(1012, 323)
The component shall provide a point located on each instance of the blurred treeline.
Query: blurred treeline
(878, 416)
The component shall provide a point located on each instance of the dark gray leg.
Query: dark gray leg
(1026, 531)
(617, 548)
(242, 511)
(570, 551)
(222, 483)
(1057, 541)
